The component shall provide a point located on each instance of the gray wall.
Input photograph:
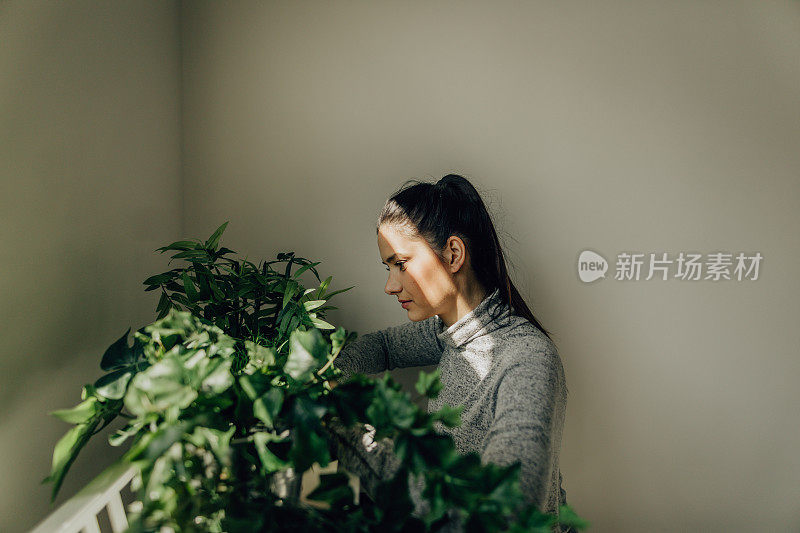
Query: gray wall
(89, 188)
(639, 126)
(621, 126)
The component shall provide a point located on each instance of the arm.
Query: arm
(411, 344)
(359, 453)
(373, 461)
(528, 418)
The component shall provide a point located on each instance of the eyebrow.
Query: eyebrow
(392, 258)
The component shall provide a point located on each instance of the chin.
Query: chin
(416, 317)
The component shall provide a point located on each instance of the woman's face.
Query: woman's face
(415, 274)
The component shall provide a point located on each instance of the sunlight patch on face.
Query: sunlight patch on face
(395, 246)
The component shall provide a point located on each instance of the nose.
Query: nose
(392, 286)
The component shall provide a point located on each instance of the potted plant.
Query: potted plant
(228, 400)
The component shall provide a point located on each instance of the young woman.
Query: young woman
(447, 269)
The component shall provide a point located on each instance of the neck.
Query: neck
(465, 301)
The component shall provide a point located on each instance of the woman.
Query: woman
(447, 269)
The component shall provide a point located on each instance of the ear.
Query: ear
(456, 253)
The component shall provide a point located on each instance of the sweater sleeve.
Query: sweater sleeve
(411, 344)
(373, 461)
(522, 430)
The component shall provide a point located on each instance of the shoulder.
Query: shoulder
(518, 339)
(524, 351)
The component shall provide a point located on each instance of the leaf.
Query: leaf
(163, 305)
(158, 279)
(323, 286)
(213, 241)
(83, 412)
(229, 269)
(339, 338)
(291, 289)
(219, 380)
(173, 286)
(308, 447)
(259, 356)
(289, 256)
(266, 313)
(321, 324)
(267, 406)
(269, 461)
(189, 289)
(158, 388)
(307, 351)
(255, 385)
(203, 274)
(427, 452)
(112, 386)
(334, 293)
(568, 517)
(284, 325)
(224, 251)
(86, 391)
(393, 499)
(390, 408)
(154, 444)
(181, 299)
(121, 435)
(219, 442)
(247, 290)
(66, 450)
(303, 269)
(334, 489)
(310, 305)
(450, 416)
(428, 384)
(218, 294)
(178, 245)
(119, 354)
(192, 255)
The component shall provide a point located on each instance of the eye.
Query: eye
(399, 263)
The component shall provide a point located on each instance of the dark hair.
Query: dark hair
(453, 206)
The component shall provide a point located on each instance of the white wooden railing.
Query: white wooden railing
(80, 513)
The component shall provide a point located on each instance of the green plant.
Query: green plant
(230, 387)
(245, 300)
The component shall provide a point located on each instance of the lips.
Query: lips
(403, 301)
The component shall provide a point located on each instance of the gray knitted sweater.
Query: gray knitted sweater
(505, 372)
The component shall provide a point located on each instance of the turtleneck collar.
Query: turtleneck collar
(475, 323)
